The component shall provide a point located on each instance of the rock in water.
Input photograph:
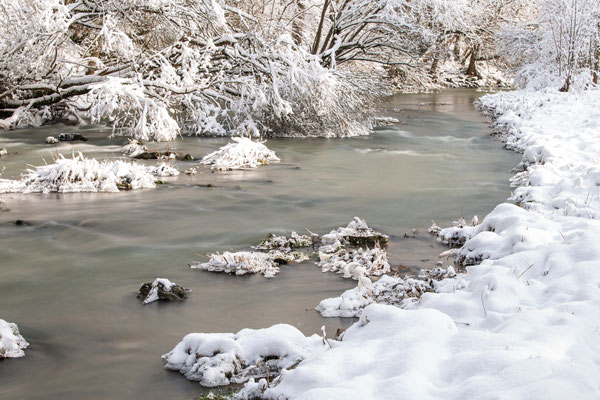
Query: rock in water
(11, 341)
(52, 140)
(71, 137)
(161, 289)
(3, 152)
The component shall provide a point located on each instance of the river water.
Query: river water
(69, 280)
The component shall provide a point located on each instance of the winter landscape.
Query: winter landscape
(329, 199)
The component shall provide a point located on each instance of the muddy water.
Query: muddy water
(69, 279)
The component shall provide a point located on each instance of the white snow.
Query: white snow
(354, 263)
(387, 290)
(244, 153)
(11, 341)
(524, 323)
(153, 294)
(79, 174)
(216, 359)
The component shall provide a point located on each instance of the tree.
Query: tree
(561, 49)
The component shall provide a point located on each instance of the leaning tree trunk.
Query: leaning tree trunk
(472, 69)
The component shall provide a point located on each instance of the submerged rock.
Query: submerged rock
(11, 341)
(71, 137)
(155, 155)
(161, 289)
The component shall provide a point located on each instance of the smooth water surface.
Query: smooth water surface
(69, 280)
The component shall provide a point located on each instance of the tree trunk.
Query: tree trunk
(472, 69)
(298, 23)
(317, 40)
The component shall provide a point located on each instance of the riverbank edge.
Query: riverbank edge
(522, 325)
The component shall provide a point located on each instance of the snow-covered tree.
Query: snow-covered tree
(154, 69)
(561, 50)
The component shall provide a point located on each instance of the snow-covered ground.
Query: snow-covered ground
(11, 341)
(80, 174)
(523, 322)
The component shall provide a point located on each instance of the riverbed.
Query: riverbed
(69, 279)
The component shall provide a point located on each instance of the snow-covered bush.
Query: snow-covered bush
(244, 153)
(250, 262)
(80, 174)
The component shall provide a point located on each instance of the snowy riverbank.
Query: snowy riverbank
(522, 324)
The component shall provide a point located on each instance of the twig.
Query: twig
(527, 269)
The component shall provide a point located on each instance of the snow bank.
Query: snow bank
(522, 324)
(79, 174)
(250, 262)
(244, 153)
(11, 341)
(216, 359)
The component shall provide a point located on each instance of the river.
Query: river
(69, 279)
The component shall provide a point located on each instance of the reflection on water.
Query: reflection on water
(69, 279)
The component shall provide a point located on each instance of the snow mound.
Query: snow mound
(216, 359)
(250, 262)
(388, 354)
(11, 341)
(387, 290)
(244, 153)
(79, 174)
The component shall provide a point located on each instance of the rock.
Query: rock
(71, 137)
(368, 241)
(3, 152)
(12, 342)
(161, 289)
(52, 140)
(20, 222)
(187, 157)
(155, 155)
(124, 185)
